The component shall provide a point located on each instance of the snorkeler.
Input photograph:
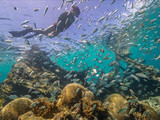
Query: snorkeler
(64, 21)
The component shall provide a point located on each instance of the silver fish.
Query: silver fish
(25, 22)
(45, 11)
(36, 9)
(142, 75)
(113, 2)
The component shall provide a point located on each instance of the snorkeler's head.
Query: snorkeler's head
(75, 10)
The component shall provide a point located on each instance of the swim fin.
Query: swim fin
(21, 33)
(30, 36)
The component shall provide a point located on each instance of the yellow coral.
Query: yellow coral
(44, 108)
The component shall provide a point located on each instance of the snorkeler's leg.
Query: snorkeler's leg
(36, 32)
(50, 29)
(21, 33)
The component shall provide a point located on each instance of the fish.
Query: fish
(74, 60)
(53, 8)
(66, 38)
(25, 22)
(135, 77)
(95, 30)
(12, 97)
(69, 1)
(76, 20)
(102, 50)
(26, 26)
(60, 7)
(15, 8)
(141, 24)
(113, 2)
(101, 1)
(114, 12)
(102, 18)
(153, 21)
(132, 5)
(45, 11)
(113, 63)
(8, 41)
(36, 9)
(94, 71)
(79, 26)
(35, 26)
(123, 110)
(142, 75)
(1, 60)
(1, 18)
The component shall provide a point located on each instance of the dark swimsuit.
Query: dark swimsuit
(64, 21)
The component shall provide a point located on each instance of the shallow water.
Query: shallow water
(134, 26)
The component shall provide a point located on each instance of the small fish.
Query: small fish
(66, 38)
(1, 60)
(36, 9)
(25, 22)
(153, 21)
(95, 30)
(142, 75)
(12, 97)
(27, 42)
(132, 6)
(35, 26)
(76, 20)
(113, 63)
(15, 8)
(102, 50)
(74, 60)
(83, 35)
(113, 2)
(60, 6)
(45, 11)
(69, 1)
(94, 107)
(141, 24)
(8, 41)
(114, 12)
(123, 110)
(26, 26)
(79, 26)
(94, 71)
(102, 18)
(132, 111)
(101, 1)
(53, 8)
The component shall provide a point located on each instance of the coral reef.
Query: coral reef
(129, 108)
(15, 108)
(79, 105)
(35, 74)
(30, 116)
(115, 102)
(153, 102)
(72, 93)
(44, 107)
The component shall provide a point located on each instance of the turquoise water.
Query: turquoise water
(144, 39)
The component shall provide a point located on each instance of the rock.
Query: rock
(15, 108)
(72, 93)
(153, 114)
(115, 102)
(153, 102)
(30, 116)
